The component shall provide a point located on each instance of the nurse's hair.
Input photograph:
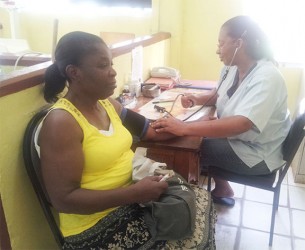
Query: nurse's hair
(256, 41)
(70, 50)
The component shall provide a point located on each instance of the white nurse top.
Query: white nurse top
(262, 98)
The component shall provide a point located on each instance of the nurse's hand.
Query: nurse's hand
(169, 124)
(188, 101)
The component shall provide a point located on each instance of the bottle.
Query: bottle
(137, 88)
(125, 96)
(132, 88)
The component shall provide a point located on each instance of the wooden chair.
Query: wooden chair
(111, 38)
(32, 164)
(273, 181)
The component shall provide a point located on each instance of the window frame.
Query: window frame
(118, 3)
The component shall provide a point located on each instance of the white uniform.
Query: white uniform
(262, 98)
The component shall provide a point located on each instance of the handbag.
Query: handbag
(173, 216)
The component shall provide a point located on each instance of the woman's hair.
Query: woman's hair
(70, 50)
(257, 43)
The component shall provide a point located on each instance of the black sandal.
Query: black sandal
(225, 201)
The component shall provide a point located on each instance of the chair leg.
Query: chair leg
(209, 183)
(274, 209)
(277, 197)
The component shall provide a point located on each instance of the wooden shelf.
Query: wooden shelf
(33, 75)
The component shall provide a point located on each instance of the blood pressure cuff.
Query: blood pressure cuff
(136, 124)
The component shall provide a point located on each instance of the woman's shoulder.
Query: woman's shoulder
(268, 70)
(59, 124)
(116, 105)
(267, 66)
(62, 114)
(58, 118)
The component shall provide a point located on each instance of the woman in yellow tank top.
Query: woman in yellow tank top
(85, 149)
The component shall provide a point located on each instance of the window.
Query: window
(134, 8)
(284, 22)
(55, 5)
(118, 3)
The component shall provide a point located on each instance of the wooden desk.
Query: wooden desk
(181, 154)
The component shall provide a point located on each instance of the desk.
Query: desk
(181, 154)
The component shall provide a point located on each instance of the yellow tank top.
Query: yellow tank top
(108, 163)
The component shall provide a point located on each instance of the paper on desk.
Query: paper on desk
(177, 110)
(202, 112)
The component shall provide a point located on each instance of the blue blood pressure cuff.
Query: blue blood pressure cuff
(136, 124)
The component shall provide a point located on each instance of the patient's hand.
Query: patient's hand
(150, 188)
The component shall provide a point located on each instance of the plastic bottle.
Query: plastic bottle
(135, 88)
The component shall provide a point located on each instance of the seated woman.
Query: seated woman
(251, 102)
(85, 153)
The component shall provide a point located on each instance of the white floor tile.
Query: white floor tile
(225, 237)
(299, 244)
(229, 215)
(246, 226)
(297, 197)
(298, 223)
(256, 240)
(260, 195)
(256, 215)
(282, 222)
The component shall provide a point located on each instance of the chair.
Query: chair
(32, 164)
(271, 182)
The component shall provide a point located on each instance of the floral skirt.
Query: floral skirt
(125, 228)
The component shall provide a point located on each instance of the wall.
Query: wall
(194, 25)
(27, 227)
(293, 78)
(202, 21)
(33, 23)
(4, 20)
(156, 54)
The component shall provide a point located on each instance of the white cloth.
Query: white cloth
(143, 166)
(262, 98)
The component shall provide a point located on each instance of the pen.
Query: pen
(163, 101)
(165, 177)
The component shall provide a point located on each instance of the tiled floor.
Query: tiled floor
(246, 225)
